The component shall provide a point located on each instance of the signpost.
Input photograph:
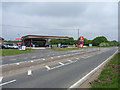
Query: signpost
(81, 42)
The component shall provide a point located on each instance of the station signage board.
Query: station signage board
(81, 42)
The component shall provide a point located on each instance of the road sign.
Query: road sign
(81, 42)
(18, 39)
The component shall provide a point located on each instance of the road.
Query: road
(39, 54)
(62, 76)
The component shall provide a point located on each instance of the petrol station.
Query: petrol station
(39, 40)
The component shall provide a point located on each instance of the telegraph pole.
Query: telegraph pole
(78, 32)
(78, 37)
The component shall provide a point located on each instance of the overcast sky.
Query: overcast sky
(60, 18)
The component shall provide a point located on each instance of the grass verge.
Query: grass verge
(110, 75)
(8, 52)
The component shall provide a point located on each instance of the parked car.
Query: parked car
(64, 46)
(10, 46)
(2, 46)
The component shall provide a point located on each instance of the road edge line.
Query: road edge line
(87, 76)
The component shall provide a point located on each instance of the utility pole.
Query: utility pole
(78, 37)
(78, 32)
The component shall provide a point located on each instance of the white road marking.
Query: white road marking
(43, 59)
(61, 63)
(1, 79)
(29, 72)
(7, 82)
(18, 63)
(79, 82)
(13, 59)
(58, 56)
(77, 58)
(70, 60)
(64, 55)
(32, 61)
(51, 57)
(48, 68)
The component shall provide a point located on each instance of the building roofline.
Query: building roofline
(43, 36)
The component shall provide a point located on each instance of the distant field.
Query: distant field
(110, 76)
(8, 52)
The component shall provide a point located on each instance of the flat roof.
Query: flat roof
(46, 37)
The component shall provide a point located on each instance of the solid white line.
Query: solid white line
(7, 82)
(78, 83)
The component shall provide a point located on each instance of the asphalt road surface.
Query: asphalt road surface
(40, 54)
(58, 77)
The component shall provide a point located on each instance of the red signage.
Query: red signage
(18, 39)
(81, 42)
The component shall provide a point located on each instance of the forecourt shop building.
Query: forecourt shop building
(39, 40)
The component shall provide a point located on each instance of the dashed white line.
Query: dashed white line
(29, 72)
(70, 60)
(48, 68)
(1, 79)
(18, 63)
(43, 59)
(61, 63)
(7, 82)
(51, 57)
(32, 61)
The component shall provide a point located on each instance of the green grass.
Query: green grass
(110, 76)
(8, 52)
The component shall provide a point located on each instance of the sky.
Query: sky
(60, 19)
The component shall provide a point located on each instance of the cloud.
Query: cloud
(93, 19)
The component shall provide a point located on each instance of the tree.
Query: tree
(114, 43)
(96, 41)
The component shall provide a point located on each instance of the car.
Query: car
(10, 46)
(64, 46)
(2, 46)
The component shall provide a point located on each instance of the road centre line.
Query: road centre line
(70, 60)
(43, 59)
(7, 82)
(61, 63)
(48, 68)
